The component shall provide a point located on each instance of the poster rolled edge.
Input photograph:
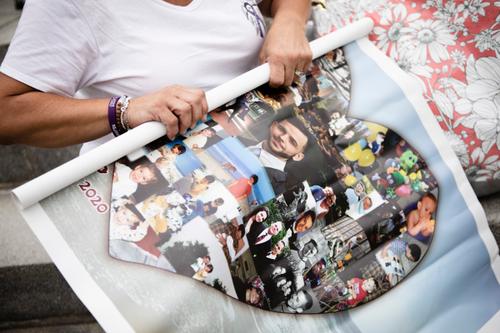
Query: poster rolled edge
(80, 167)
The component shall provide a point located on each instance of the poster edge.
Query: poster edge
(449, 158)
(73, 271)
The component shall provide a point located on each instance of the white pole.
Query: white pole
(80, 167)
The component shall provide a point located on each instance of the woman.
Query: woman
(258, 215)
(72, 66)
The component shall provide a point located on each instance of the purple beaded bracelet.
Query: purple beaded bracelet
(112, 115)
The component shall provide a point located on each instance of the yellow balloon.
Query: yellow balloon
(352, 152)
(366, 158)
(350, 180)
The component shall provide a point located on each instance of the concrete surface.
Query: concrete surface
(491, 205)
(9, 17)
(38, 294)
(19, 245)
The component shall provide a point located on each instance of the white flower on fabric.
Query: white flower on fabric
(490, 167)
(427, 37)
(337, 14)
(483, 100)
(485, 120)
(488, 39)
(417, 71)
(483, 78)
(459, 147)
(447, 12)
(389, 31)
(454, 97)
(430, 3)
(443, 103)
(473, 8)
(458, 58)
(369, 5)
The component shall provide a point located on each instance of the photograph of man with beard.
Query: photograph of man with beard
(285, 147)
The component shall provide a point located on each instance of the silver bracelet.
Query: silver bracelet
(123, 103)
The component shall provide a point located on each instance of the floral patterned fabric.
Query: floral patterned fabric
(452, 48)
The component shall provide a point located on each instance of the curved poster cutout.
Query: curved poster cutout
(280, 200)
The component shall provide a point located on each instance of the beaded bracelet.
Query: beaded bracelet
(117, 118)
(122, 105)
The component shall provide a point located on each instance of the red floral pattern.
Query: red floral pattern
(452, 48)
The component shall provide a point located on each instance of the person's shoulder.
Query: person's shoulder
(247, 142)
(276, 175)
(255, 230)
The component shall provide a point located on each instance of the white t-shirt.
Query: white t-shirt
(101, 48)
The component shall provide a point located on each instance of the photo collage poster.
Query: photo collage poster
(280, 200)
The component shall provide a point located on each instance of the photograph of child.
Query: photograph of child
(203, 136)
(165, 159)
(231, 237)
(127, 223)
(362, 198)
(420, 221)
(358, 290)
(240, 171)
(136, 181)
(398, 258)
(298, 228)
(298, 302)
(202, 267)
(251, 292)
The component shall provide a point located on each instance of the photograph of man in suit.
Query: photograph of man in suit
(286, 140)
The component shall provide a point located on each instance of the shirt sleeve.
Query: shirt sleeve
(53, 48)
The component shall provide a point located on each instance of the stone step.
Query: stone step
(37, 296)
(20, 163)
(19, 244)
(491, 206)
(59, 328)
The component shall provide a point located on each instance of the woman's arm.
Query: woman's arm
(286, 48)
(43, 119)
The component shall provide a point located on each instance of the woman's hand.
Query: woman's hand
(177, 107)
(286, 48)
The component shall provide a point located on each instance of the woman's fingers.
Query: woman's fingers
(304, 60)
(178, 108)
(277, 73)
(286, 49)
(171, 123)
(196, 99)
(182, 110)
